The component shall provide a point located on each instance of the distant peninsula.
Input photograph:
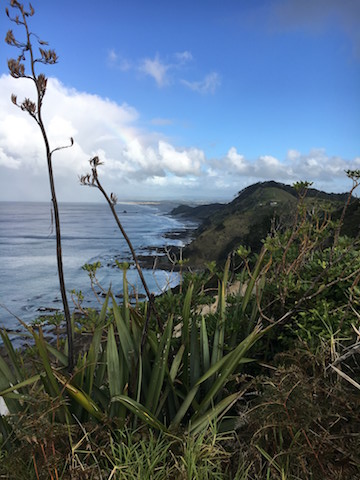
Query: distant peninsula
(248, 218)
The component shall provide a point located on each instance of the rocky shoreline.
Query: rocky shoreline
(165, 257)
(150, 258)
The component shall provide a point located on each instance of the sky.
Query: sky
(185, 100)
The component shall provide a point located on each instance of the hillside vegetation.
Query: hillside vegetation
(250, 216)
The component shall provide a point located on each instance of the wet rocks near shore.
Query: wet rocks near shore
(150, 258)
(161, 258)
(155, 258)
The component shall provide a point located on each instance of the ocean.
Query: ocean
(29, 285)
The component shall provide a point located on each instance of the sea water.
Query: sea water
(29, 284)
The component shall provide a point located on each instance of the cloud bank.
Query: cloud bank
(315, 165)
(138, 163)
(98, 126)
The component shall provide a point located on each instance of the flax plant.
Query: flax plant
(169, 383)
(18, 69)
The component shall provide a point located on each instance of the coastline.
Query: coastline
(150, 246)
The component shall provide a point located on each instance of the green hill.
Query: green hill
(248, 218)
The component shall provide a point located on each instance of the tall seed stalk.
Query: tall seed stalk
(92, 180)
(34, 109)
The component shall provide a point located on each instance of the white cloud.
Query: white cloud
(99, 127)
(267, 166)
(184, 57)
(326, 171)
(138, 163)
(171, 181)
(208, 85)
(237, 161)
(165, 71)
(293, 155)
(160, 70)
(115, 60)
(156, 69)
(184, 162)
(211, 172)
(318, 165)
(60, 128)
(8, 161)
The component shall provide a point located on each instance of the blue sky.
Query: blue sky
(188, 99)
